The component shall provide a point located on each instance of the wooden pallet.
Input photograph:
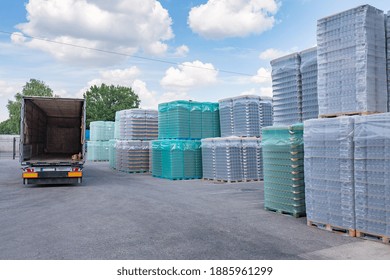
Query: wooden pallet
(278, 211)
(371, 236)
(346, 114)
(331, 228)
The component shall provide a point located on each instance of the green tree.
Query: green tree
(103, 101)
(32, 88)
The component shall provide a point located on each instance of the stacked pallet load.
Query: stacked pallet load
(387, 17)
(309, 83)
(100, 134)
(132, 156)
(188, 120)
(329, 174)
(133, 130)
(177, 154)
(287, 89)
(176, 159)
(245, 115)
(352, 62)
(372, 176)
(232, 159)
(284, 188)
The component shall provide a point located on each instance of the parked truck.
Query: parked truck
(52, 140)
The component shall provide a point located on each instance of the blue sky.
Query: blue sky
(239, 36)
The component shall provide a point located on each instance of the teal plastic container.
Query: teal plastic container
(177, 159)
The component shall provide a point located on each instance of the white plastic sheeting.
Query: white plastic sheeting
(329, 171)
(352, 62)
(372, 174)
(287, 89)
(309, 84)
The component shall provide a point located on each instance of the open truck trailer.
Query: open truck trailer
(52, 140)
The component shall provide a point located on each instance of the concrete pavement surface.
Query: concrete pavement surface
(114, 215)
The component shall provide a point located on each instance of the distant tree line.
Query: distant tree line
(102, 102)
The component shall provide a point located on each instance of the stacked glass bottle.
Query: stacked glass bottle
(284, 187)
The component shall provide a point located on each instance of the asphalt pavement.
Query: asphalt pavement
(114, 215)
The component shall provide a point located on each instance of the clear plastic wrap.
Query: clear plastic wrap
(287, 89)
(329, 171)
(372, 174)
(309, 74)
(352, 62)
(244, 116)
(132, 156)
(177, 159)
(98, 150)
(188, 120)
(136, 124)
(232, 159)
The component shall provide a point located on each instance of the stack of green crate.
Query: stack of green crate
(210, 120)
(179, 120)
(156, 150)
(188, 120)
(284, 188)
(176, 159)
(195, 120)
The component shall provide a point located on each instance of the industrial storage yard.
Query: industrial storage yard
(302, 176)
(115, 215)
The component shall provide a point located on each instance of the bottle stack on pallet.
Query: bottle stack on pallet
(284, 188)
(346, 150)
(236, 157)
(294, 87)
(101, 132)
(295, 99)
(387, 17)
(134, 128)
(182, 124)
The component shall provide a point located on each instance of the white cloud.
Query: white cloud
(263, 76)
(189, 75)
(182, 51)
(115, 26)
(265, 92)
(7, 91)
(219, 19)
(270, 54)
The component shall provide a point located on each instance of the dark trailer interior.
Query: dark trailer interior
(52, 129)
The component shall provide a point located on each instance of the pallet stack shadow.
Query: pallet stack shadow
(294, 87)
(284, 188)
(134, 128)
(182, 124)
(98, 146)
(237, 156)
(346, 152)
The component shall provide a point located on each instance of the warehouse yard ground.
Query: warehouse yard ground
(116, 215)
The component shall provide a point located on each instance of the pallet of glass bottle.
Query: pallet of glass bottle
(296, 211)
(331, 228)
(373, 236)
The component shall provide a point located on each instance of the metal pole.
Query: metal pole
(14, 148)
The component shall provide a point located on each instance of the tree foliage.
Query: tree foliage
(103, 101)
(32, 88)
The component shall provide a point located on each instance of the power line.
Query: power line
(127, 55)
